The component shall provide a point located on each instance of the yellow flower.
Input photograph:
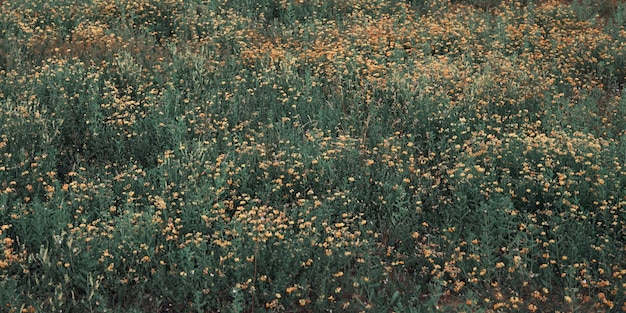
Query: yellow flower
(291, 289)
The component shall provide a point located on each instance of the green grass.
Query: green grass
(312, 156)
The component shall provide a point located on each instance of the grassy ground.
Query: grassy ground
(312, 156)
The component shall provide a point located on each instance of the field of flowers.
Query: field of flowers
(312, 156)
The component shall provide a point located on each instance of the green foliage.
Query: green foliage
(312, 156)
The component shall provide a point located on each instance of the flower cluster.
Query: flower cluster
(308, 155)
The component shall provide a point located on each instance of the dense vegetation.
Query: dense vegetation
(312, 156)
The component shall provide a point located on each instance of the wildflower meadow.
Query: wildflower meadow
(312, 156)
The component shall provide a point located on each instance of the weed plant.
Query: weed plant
(312, 156)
